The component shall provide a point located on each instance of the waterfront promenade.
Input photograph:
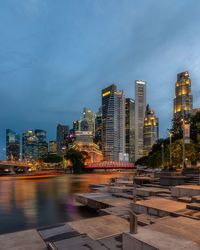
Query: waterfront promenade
(164, 221)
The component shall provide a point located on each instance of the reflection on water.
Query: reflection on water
(34, 203)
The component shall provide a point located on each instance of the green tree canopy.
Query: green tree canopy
(53, 158)
(77, 159)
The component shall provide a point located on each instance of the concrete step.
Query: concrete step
(194, 206)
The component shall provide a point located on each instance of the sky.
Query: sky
(56, 56)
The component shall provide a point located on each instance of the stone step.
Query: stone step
(186, 199)
(194, 206)
(196, 199)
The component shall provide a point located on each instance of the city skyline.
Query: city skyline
(48, 75)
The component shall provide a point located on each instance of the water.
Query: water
(28, 204)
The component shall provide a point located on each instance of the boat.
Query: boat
(37, 175)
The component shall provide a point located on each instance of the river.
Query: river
(26, 204)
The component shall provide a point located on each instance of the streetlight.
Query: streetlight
(183, 126)
(162, 145)
(170, 148)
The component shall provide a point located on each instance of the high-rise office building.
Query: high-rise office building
(34, 145)
(12, 145)
(29, 146)
(98, 128)
(52, 147)
(183, 100)
(76, 126)
(89, 116)
(62, 131)
(42, 144)
(113, 123)
(140, 107)
(151, 129)
(130, 128)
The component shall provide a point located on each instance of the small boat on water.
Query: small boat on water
(36, 175)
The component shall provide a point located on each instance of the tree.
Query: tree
(53, 158)
(77, 159)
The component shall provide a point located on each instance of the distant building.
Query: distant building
(62, 131)
(76, 126)
(130, 128)
(34, 145)
(183, 100)
(84, 125)
(84, 137)
(29, 146)
(140, 107)
(113, 123)
(89, 116)
(52, 147)
(42, 144)
(12, 145)
(98, 128)
(151, 130)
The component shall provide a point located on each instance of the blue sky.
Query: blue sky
(56, 56)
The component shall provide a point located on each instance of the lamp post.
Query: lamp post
(162, 154)
(170, 148)
(183, 159)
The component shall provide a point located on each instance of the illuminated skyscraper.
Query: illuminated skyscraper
(42, 144)
(130, 128)
(151, 130)
(183, 97)
(52, 147)
(61, 138)
(98, 128)
(113, 123)
(34, 145)
(89, 116)
(12, 145)
(140, 107)
(29, 146)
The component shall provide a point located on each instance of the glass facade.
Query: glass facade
(52, 147)
(89, 116)
(12, 145)
(130, 128)
(98, 128)
(29, 146)
(61, 138)
(113, 123)
(42, 144)
(183, 100)
(140, 107)
(34, 145)
(151, 130)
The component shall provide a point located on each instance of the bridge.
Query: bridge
(111, 165)
(13, 167)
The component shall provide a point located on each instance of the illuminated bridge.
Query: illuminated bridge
(12, 167)
(111, 165)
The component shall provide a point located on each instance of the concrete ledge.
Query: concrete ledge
(131, 243)
(23, 240)
(185, 190)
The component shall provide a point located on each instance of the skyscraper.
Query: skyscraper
(52, 147)
(12, 145)
(151, 129)
(98, 128)
(29, 145)
(183, 100)
(34, 145)
(89, 116)
(62, 131)
(42, 144)
(113, 123)
(140, 107)
(130, 128)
